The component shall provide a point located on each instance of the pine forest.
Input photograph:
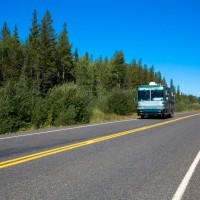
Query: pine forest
(46, 83)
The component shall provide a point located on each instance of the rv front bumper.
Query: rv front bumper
(150, 111)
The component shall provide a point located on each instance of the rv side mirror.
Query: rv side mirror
(134, 99)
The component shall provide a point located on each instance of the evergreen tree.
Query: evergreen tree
(17, 58)
(5, 32)
(31, 69)
(5, 51)
(64, 58)
(76, 56)
(172, 87)
(87, 56)
(133, 74)
(164, 82)
(178, 94)
(140, 63)
(47, 62)
(158, 77)
(178, 90)
(145, 75)
(140, 75)
(151, 74)
(11, 53)
(16, 36)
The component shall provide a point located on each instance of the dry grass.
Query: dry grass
(98, 116)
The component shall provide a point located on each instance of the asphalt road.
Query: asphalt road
(137, 164)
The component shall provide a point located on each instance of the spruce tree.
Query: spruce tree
(151, 74)
(140, 71)
(178, 94)
(133, 74)
(158, 77)
(178, 90)
(76, 56)
(47, 61)
(5, 51)
(172, 87)
(17, 60)
(64, 58)
(11, 53)
(140, 74)
(5, 32)
(164, 82)
(145, 75)
(15, 35)
(87, 56)
(32, 69)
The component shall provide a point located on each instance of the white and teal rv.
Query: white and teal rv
(155, 100)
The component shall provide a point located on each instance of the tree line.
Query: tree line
(44, 83)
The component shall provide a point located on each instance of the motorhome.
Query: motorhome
(155, 100)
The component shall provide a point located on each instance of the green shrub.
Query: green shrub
(66, 117)
(40, 113)
(16, 105)
(69, 104)
(119, 102)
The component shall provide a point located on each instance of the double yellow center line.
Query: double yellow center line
(42, 154)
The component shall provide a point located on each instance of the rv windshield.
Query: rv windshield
(157, 95)
(144, 95)
(150, 95)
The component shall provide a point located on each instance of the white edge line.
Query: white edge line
(184, 183)
(65, 129)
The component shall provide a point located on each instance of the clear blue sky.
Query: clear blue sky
(164, 33)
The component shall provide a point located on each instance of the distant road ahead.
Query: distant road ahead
(132, 159)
